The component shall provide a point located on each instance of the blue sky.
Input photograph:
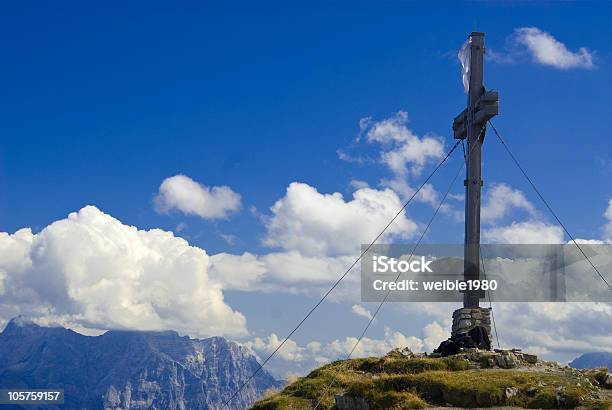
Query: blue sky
(100, 105)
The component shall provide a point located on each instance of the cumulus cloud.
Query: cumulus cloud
(561, 330)
(91, 270)
(341, 347)
(292, 357)
(428, 194)
(238, 272)
(608, 226)
(558, 331)
(501, 200)
(358, 184)
(185, 195)
(293, 268)
(286, 272)
(433, 335)
(547, 50)
(543, 48)
(528, 232)
(313, 223)
(405, 151)
(359, 310)
(290, 350)
(375, 347)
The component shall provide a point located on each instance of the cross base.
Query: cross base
(471, 329)
(467, 318)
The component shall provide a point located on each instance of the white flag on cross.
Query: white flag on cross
(464, 56)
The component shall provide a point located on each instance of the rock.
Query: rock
(511, 392)
(464, 323)
(529, 358)
(506, 360)
(606, 381)
(473, 355)
(447, 348)
(406, 352)
(351, 403)
(466, 319)
(476, 338)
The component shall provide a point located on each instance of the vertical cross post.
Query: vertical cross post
(471, 125)
(473, 181)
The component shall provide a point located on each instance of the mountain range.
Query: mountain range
(592, 360)
(129, 369)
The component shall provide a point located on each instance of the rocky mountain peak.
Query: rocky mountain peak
(129, 369)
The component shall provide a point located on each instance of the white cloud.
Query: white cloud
(229, 238)
(285, 272)
(357, 184)
(529, 232)
(290, 350)
(547, 50)
(608, 226)
(91, 270)
(238, 272)
(558, 330)
(427, 194)
(293, 268)
(562, 329)
(433, 335)
(293, 358)
(403, 153)
(499, 57)
(375, 347)
(359, 159)
(406, 152)
(183, 194)
(500, 200)
(414, 153)
(359, 310)
(325, 224)
(588, 241)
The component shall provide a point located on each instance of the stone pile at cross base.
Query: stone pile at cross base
(471, 329)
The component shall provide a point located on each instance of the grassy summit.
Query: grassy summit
(402, 380)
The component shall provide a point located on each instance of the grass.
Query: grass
(399, 382)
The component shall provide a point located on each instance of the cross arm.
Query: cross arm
(485, 108)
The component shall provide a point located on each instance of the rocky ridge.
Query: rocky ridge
(129, 369)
